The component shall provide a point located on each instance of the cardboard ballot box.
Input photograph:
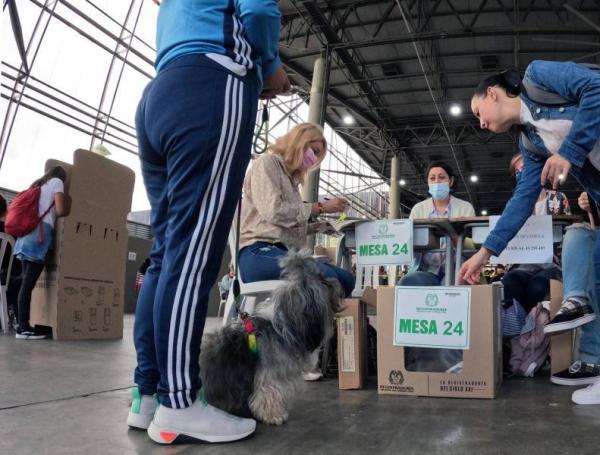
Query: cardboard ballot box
(352, 325)
(80, 292)
(477, 333)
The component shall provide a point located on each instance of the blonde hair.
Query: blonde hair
(291, 147)
(512, 167)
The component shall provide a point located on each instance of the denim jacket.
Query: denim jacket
(573, 82)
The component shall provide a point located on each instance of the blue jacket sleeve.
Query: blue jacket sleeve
(262, 21)
(581, 85)
(519, 208)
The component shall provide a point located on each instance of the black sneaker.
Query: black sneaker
(580, 373)
(574, 312)
(29, 334)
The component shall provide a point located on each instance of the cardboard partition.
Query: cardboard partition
(352, 344)
(561, 345)
(482, 362)
(81, 291)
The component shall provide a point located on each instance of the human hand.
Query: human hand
(276, 84)
(555, 170)
(334, 205)
(584, 202)
(471, 269)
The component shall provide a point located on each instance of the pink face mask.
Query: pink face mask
(309, 158)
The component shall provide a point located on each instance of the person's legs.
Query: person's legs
(515, 286)
(199, 119)
(154, 173)
(345, 278)
(31, 273)
(589, 347)
(147, 374)
(578, 280)
(419, 279)
(538, 287)
(260, 262)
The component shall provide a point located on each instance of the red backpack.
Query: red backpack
(22, 217)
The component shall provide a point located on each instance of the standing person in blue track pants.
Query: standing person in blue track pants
(194, 126)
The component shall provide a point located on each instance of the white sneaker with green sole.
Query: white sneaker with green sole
(142, 409)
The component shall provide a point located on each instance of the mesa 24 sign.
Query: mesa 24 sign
(384, 242)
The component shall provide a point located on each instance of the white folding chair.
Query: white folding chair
(5, 241)
(250, 293)
(368, 276)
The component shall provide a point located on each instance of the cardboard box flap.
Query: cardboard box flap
(109, 196)
(370, 296)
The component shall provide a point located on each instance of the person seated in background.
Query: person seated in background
(428, 268)
(499, 273)
(225, 283)
(274, 218)
(527, 284)
(140, 274)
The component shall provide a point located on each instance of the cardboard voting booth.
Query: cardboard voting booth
(80, 293)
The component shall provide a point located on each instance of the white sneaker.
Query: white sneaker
(142, 410)
(589, 395)
(313, 375)
(201, 422)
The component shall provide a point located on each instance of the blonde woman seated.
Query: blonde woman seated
(274, 217)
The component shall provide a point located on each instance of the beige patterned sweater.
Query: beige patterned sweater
(272, 208)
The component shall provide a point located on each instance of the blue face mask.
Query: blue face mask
(439, 191)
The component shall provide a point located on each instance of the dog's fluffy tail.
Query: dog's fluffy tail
(297, 265)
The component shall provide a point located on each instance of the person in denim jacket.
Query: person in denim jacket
(566, 143)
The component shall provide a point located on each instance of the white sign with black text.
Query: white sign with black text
(531, 245)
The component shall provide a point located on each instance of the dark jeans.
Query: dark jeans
(31, 273)
(260, 262)
(528, 288)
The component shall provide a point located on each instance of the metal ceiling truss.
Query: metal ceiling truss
(350, 29)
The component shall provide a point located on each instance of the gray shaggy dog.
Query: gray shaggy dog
(301, 318)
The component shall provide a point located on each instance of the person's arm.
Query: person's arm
(414, 212)
(266, 191)
(262, 21)
(62, 204)
(582, 86)
(584, 204)
(470, 210)
(565, 206)
(518, 209)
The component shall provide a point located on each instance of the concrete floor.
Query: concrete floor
(72, 398)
